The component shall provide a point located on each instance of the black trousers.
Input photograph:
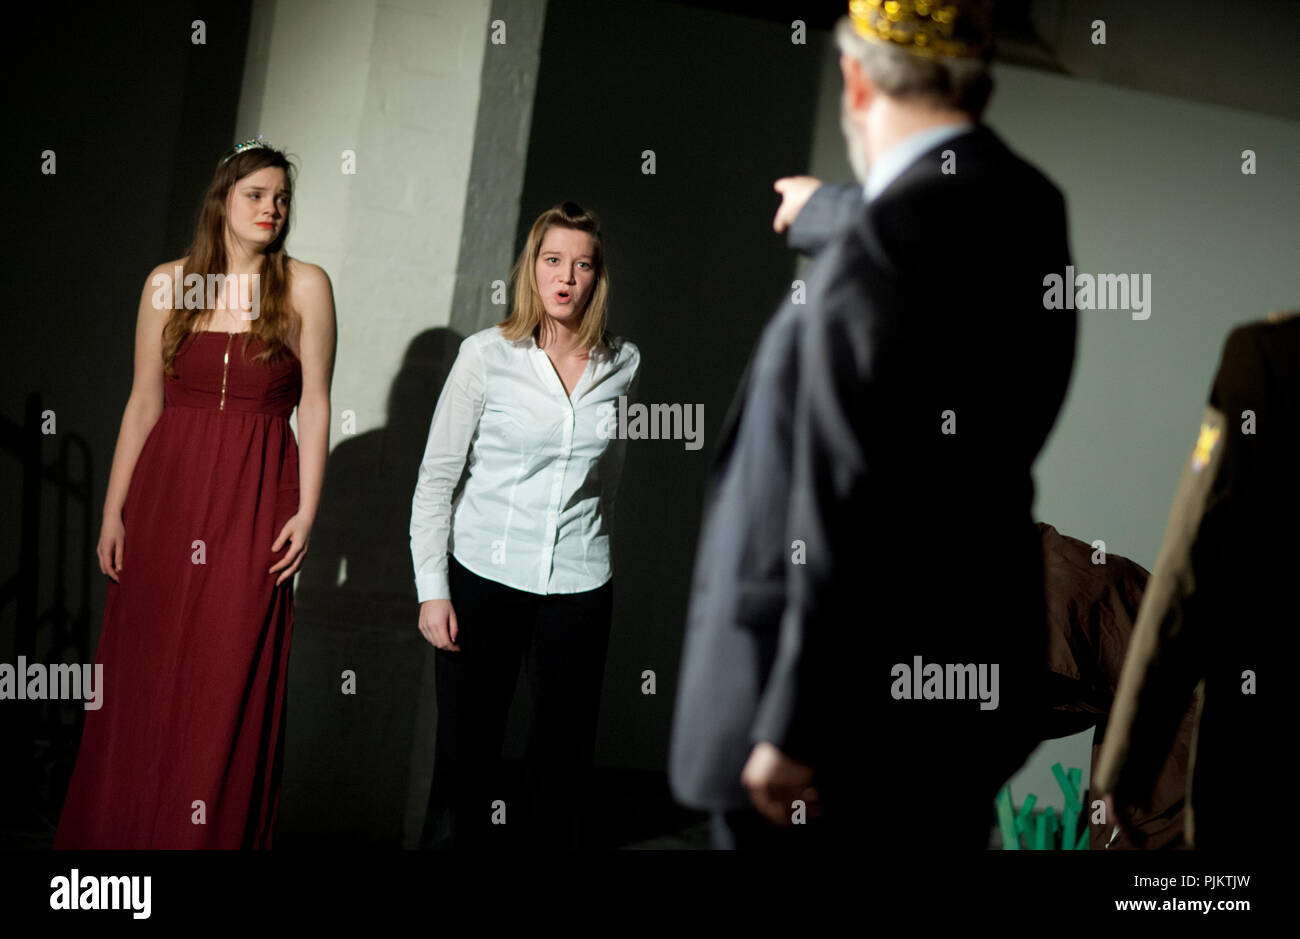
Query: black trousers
(867, 800)
(746, 830)
(562, 640)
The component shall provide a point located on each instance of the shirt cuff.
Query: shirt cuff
(432, 586)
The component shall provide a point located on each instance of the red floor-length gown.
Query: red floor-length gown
(195, 655)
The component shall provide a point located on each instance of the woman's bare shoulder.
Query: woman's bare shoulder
(303, 275)
(168, 267)
(311, 297)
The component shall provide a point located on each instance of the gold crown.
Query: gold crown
(962, 29)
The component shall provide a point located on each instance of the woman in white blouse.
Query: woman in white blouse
(517, 566)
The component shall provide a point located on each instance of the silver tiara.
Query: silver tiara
(252, 143)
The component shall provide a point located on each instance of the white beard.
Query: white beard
(855, 141)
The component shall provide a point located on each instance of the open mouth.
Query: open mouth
(563, 296)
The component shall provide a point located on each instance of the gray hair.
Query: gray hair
(964, 84)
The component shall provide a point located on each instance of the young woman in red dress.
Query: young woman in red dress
(212, 500)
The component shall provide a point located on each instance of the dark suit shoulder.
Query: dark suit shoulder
(1281, 331)
(942, 214)
(1258, 357)
(981, 165)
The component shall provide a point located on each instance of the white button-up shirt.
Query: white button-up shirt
(536, 511)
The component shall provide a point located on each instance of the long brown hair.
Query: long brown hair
(528, 312)
(276, 322)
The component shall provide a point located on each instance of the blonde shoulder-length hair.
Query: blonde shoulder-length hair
(528, 314)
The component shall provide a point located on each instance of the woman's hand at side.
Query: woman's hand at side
(112, 540)
(297, 532)
(143, 408)
(438, 624)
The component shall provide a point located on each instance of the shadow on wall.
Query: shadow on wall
(352, 756)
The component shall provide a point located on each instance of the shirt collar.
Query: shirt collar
(530, 343)
(891, 164)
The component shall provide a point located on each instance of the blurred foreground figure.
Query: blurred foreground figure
(1218, 618)
(868, 524)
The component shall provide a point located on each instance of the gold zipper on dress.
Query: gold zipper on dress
(225, 363)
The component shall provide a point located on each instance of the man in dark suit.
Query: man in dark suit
(870, 502)
(1218, 620)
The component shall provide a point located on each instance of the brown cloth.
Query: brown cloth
(1091, 609)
